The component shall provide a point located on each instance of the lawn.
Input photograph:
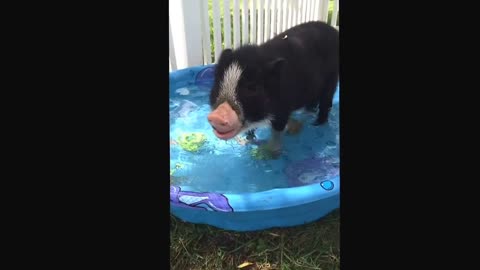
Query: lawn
(312, 246)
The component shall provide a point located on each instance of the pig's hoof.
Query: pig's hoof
(294, 127)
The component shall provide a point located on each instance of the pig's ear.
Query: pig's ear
(275, 67)
(225, 57)
(226, 54)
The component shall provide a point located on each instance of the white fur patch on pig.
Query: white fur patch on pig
(229, 84)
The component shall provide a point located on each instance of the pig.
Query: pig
(261, 85)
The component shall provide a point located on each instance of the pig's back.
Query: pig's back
(312, 52)
(311, 44)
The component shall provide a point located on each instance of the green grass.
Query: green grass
(312, 246)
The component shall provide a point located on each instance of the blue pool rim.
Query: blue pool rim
(280, 207)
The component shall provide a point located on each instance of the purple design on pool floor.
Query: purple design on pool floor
(199, 200)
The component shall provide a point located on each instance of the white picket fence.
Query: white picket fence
(254, 22)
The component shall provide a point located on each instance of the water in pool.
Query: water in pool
(215, 165)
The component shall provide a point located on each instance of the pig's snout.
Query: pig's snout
(219, 122)
(224, 121)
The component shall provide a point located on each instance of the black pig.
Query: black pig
(257, 85)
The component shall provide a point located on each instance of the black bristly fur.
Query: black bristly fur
(298, 68)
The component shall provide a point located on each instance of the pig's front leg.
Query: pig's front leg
(278, 126)
(275, 143)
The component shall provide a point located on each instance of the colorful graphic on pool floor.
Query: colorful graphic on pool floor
(199, 200)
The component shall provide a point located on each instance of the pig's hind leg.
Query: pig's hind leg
(326, 99)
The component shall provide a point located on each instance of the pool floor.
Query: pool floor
(229, 167)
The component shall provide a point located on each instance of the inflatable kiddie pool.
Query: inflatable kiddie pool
(227, 184)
